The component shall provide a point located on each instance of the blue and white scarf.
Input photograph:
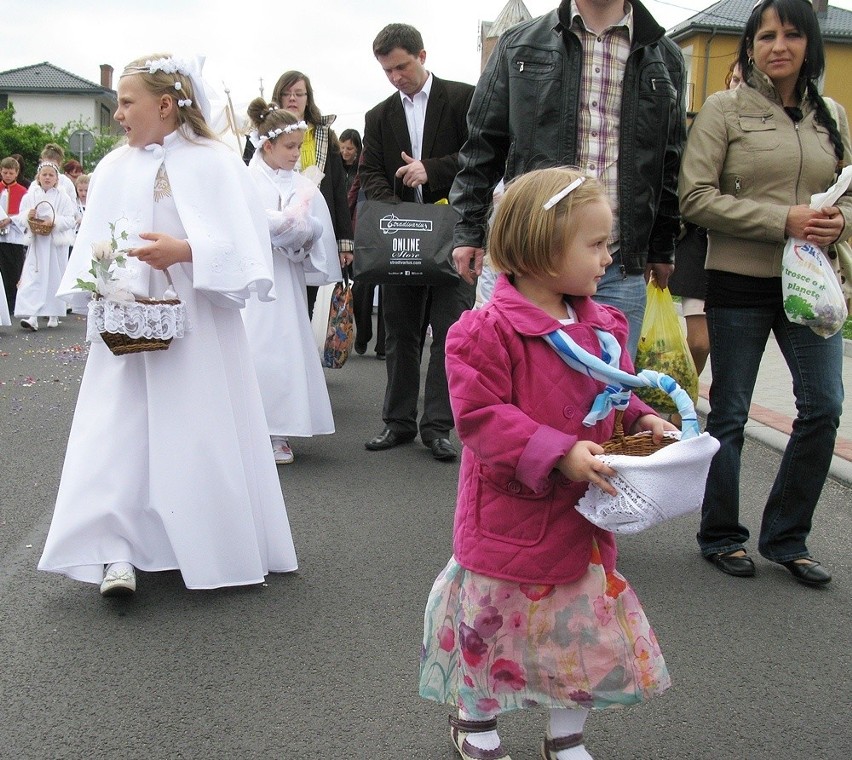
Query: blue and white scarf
(617, 393)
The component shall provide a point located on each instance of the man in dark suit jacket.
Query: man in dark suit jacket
(411, 144)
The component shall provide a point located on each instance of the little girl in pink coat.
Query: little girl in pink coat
(530, 611)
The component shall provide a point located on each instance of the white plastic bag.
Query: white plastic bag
(811, 291)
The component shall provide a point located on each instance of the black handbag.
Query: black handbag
(405, 243)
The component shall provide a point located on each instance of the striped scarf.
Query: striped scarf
(617, 393)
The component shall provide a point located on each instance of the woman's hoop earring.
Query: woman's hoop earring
(751, 61)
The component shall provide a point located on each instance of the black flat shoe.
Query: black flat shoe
(442, 449)
(741, 567)
(387, 439)
(811, 573)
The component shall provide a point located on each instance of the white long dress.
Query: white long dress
(168, 463)
(288, 366)
(4, 306)
(47, 255)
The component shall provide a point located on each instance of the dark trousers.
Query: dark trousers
(362, 304)
(312, 299)
(11, 265)
(406, 310)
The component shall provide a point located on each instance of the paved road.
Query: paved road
(323, 663)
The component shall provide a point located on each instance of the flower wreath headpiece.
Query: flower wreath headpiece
(51, 164)
(189, 67)
(258, 139)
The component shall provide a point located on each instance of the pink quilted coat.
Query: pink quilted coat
(518, 409)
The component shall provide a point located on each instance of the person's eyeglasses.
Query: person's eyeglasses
(288, 95)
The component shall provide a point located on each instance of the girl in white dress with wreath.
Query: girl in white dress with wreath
(47, 255)
(289, 371)
(168, 463)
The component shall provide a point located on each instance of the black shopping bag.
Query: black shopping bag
(405, 243)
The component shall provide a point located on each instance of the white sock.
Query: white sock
(482, 739)
(119, 567)
(564, 722)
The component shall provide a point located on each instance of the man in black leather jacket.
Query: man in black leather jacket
(527, 113)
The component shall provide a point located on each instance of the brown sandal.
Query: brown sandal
(549, 747)
(460, 728)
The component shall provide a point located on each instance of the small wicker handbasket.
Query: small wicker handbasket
(639, 445)
(121, 344)
(42, 226)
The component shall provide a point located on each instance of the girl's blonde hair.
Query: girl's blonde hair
(526, 238)
(163, 83)
(268, 117)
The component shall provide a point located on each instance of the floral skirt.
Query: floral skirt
(490, 646)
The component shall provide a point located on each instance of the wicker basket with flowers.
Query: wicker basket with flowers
(126, 322)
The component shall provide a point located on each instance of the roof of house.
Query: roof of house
(514, 12)
(730, 16)
(48, 79)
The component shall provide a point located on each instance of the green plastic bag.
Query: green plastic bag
(662, 347)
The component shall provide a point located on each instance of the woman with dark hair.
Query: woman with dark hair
(350, 154)
(754, 157)
(321, 149)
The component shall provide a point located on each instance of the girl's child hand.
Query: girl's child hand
(656, 425)
(165, 250)
(580, 464)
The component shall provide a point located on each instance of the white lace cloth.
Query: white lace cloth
(135, 319)
(652, 489)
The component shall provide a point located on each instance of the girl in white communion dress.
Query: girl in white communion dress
(286, 358)
(168, 463)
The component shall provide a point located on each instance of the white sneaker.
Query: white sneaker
(281, 450)
(119, 579)
(30, 324)
(53, 322)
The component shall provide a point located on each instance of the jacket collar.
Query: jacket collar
(759, 81)
(646, 30)
(528, 319)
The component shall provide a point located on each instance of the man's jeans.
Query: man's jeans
(625, 292)
(737, 341)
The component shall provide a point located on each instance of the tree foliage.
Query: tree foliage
(29, 139)
(26, 139)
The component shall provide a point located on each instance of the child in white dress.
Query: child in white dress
(47, 255)
(168, 463)
(288, 366)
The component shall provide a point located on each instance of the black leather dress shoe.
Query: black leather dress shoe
(811, 573)
(442, 449)
(742, 566)
(360, 348)
(387, 439)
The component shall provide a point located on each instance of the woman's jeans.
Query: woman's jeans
(737, 341)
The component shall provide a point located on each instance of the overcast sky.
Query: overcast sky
(329, 40)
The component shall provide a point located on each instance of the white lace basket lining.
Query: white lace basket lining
(651, 489)
(137, 319)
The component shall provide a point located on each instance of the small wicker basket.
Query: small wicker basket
(121, 344)
(165, 319)
(42, 226)
(639, 445)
